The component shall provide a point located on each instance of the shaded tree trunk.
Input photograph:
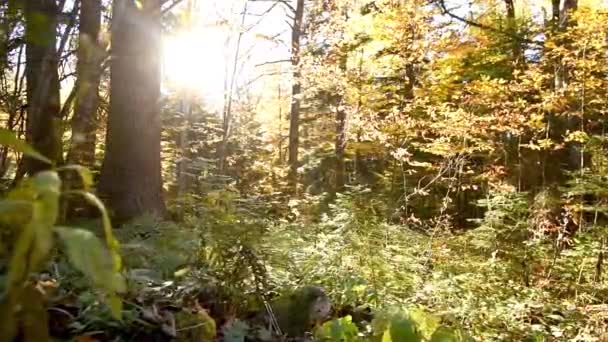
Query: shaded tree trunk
(182, 177)
(340, 144)
(561, 21)
(557, 124)
(296, 88)
(340, 147)
(280, 142)
(43, 125)
(90, 54)
(518, 56)
(131, 180)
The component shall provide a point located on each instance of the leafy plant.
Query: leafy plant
(31, 213)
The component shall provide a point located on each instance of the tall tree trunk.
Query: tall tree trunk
(43, 126)
(340, 147)
(90, 53)
(517, 49)
(131, 180)
(227, 115)
(561, 21)
(340, 143)
(182, 177)
(294, 114)
(558, 125)
(564, 16)
(280, 147)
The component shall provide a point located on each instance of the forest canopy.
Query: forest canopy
(299, 170)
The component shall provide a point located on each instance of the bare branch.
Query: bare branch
(68, 29)
(273, 6)
(289, 24)
(170, 7)
(448, 12)
(257, 78)
(274, 62)
(283, 2)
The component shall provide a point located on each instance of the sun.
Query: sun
(194, 61)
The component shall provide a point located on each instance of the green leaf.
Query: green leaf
(15, 212)
(47, 182)
(342, 329)
(36, 238)
(401, 330)
(444, 334)
(426, 322)
(115, 304)
(85, 175)
(19, 265)
(111, 241)
(8, 138)
(87, 253)
(235, 332)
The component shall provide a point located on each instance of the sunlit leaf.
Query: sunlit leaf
(87, 253)
(401, 330)
(111, 241)
(9, 139)
(85, 175)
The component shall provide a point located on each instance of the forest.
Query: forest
(303, 170)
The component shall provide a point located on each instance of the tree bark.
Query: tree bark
(131, 180)
(43, 124)
(517, 48)
(340, 147)
(296, 88)
(561, 21)
(227, 115)
(340, 144)
(564, 16)
(90, 55)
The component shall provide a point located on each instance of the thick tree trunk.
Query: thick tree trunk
(90, 53)
(294, 114)
(131, 180)
(568, 7)
(510, 5)
(43, 125)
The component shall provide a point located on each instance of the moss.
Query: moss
(194, 326)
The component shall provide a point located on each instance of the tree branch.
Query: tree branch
(170, 7)
(283, 2)
(448, 12)
(274, 62)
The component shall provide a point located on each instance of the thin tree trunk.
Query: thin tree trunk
(340, 147)
(90, 55)
(227, 117)
(340, 144)
(43, 125)
(184, 142)
(131, 180)
(294, 114)
(15, 105)
(561, 21)
(517, 49)
(280, 147)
